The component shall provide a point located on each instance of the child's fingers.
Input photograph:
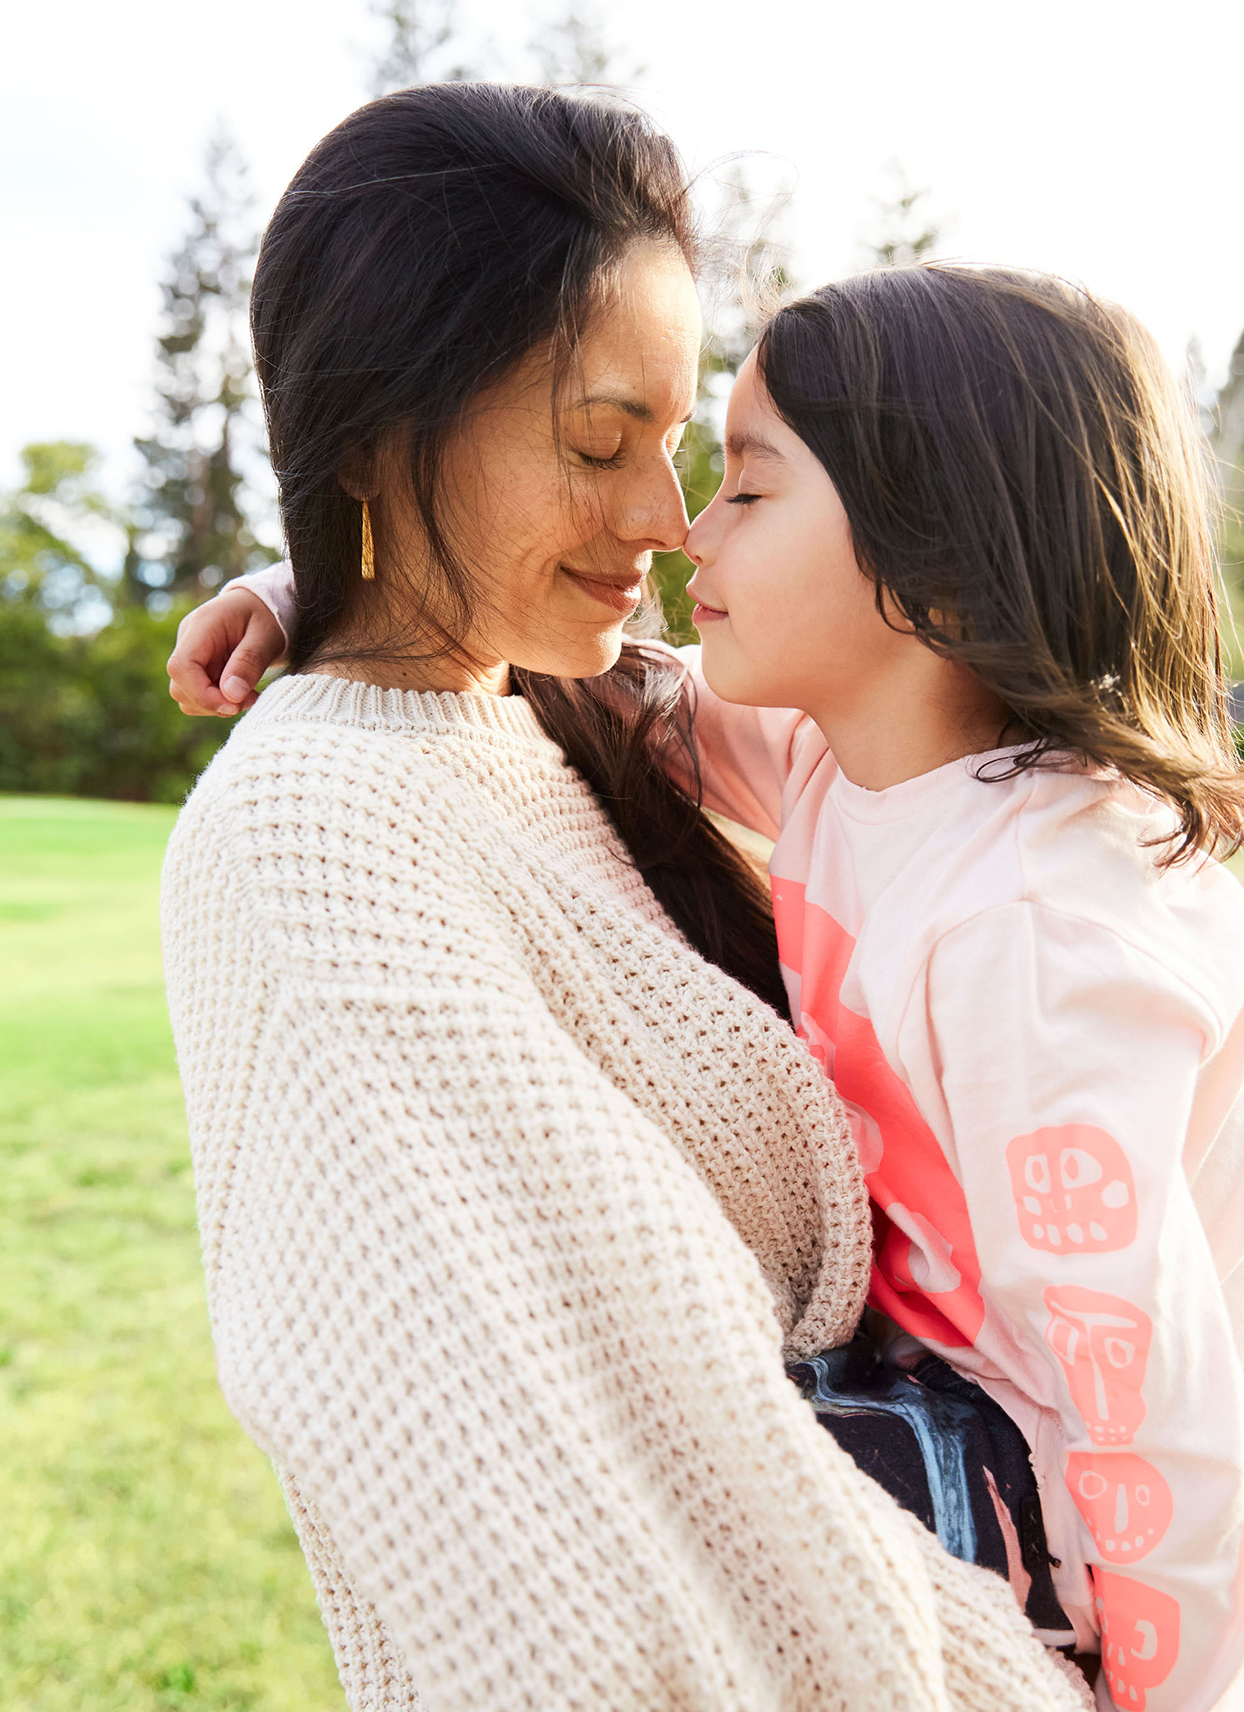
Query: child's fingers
(193, 690)
(234, 638)
(244, 668)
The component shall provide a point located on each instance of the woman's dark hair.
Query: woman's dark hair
(1025, 487)
(425, 247)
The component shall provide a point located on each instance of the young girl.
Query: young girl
(960, 660)
(961, 530)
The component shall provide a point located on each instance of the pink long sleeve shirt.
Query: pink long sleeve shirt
(1041, 1038)
(1040, 1035)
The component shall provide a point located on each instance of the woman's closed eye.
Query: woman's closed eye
(612, 462)
(743, 498)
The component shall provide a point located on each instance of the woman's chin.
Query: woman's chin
(599, 655)
(585, 655)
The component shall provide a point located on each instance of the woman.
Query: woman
(512, 1185)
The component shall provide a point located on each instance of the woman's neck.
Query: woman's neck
(448, 674)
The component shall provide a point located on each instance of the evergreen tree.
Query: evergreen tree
(574, 49)
(423, 45)
(47, 526)
(1227, 424)
(1226, 431)
(192, 529)
(903, 231)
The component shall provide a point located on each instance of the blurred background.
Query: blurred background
(146, 1562)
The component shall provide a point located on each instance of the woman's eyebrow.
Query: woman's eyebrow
(753, 445)
(632, 407)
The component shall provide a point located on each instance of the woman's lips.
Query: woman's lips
(622, 597)
(706, 615)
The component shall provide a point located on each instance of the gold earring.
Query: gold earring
(369, 555)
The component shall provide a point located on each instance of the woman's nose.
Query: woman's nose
(657, 515)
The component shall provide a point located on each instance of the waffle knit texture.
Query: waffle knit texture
(509, 1203)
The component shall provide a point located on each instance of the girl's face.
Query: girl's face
(786, 616)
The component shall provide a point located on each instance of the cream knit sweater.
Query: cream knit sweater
(508, 1202)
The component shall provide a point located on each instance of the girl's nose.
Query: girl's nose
(696, 544)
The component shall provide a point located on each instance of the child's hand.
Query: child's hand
(223, 649)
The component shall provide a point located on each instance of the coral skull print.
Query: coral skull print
(1073, 1190)
(1103, 1344)
(1124, 1500)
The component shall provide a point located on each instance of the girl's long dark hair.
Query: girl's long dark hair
(426, 246)
(1025, 487)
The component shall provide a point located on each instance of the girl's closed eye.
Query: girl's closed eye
(741, 498)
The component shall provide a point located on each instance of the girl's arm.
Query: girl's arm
(746, 754)
(1063, 1065)
(274, 585)
(751, 758)
(226, 645)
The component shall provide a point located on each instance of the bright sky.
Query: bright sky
(1094, 137)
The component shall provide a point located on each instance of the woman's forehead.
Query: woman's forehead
(649, 381)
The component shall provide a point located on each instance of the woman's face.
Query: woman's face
(555, 505)
(786, 616)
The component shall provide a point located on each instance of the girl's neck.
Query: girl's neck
(888, 730)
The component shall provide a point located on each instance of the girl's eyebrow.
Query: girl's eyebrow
(753, 445)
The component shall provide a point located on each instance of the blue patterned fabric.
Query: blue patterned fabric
(946, 1451)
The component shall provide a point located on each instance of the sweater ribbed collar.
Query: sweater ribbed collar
(327, 700)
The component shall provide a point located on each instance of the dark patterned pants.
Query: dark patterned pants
(950, 1455)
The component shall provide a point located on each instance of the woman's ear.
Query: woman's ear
(357, 475)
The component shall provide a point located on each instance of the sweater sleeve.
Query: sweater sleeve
(502, 1340)
(1065, 1113)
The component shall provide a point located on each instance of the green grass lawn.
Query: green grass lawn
(146, 1560)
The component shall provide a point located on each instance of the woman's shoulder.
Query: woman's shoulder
(317, 749)
(338, 804)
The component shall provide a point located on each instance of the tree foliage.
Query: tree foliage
(84, 702)
(43, 527)
(574, 49)
(1226, 429)
(91, 715)
(902, 230)
(423, 44)
(192, 530)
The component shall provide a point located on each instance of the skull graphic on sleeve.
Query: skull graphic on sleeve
(1103, 1344)
(1124, 1500)
(1073, 1190)
(1139, 1636)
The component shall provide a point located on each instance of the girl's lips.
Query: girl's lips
(706, 615)
(621, 597)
